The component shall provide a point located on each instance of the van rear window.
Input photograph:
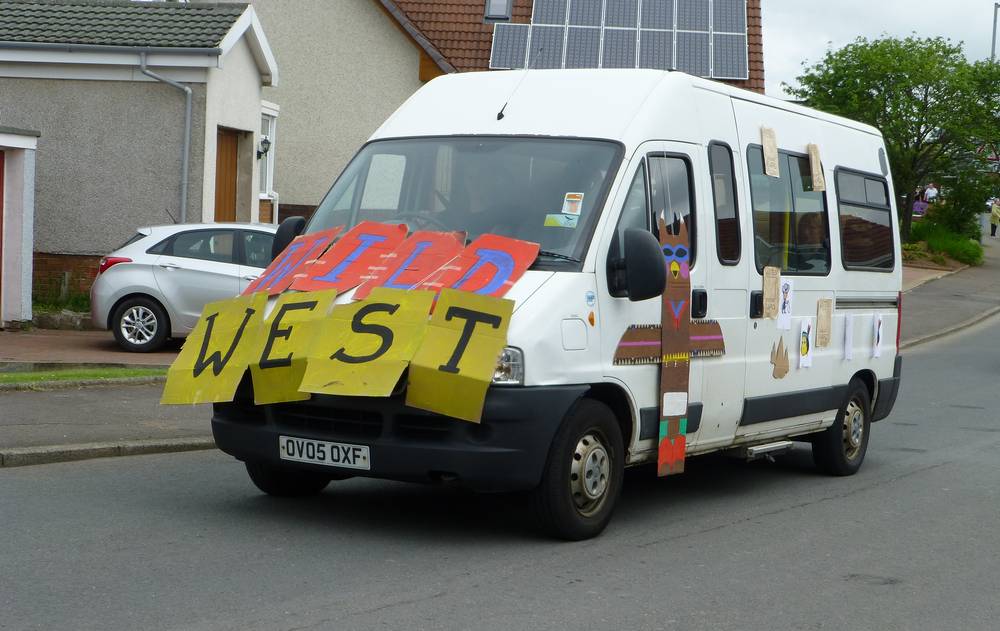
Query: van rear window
(790, 224)
(865, 222)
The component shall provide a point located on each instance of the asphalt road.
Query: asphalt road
(182, 541)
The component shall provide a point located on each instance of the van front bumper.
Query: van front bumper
(504, 452)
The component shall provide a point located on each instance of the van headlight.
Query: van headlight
(510, 368)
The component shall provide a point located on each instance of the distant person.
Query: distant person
(930, 193)
(994, 217)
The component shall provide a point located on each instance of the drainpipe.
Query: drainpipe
(186, 148)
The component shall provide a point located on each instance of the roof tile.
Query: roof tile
(117, 22)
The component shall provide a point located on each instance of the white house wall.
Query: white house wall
(345, 66)
(18, 215)
(233, 100)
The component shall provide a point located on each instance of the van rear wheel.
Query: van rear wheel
(841, 449)
(282, 482)
(583, 474)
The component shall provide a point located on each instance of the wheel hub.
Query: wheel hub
(138, 325)
(854, 429)
(590, 473)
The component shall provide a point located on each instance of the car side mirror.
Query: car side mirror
(290, 228)
(645, 272)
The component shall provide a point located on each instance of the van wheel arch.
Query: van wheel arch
(138, 294)
(614, 396)
(868, 378)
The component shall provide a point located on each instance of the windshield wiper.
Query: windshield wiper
(556, 255)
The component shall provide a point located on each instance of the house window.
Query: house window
(268, 123)
(498, 10)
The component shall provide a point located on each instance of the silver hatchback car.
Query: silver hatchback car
(156, 285)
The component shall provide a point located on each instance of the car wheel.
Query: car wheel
(841, 449)
(583, 474)
(140, 325)
(282, 482)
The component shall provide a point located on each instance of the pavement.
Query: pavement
(73, 423)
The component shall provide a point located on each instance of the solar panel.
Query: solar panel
(693, 54)
(658, 14)
(619, 48)
(701, 37)
(583, 47)
(692, 15)
(585, 12)
(546, 50)
(510, 44)
(729, 56)
(549, 12)
(656, 49)
(624, 13)
(729, 16)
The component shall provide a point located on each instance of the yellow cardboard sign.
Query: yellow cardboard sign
(288, 333)
(363, 348)
(217, 352)
(455, 364)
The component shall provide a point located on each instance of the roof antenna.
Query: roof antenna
(500, 114)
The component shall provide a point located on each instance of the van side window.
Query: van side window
(727, 224)
(670, 194)
(635, 212)
(790, 224)
(865, 221)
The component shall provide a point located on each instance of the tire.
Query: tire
(140, 325)
(281, 482)
(841, 449)
(570, 502)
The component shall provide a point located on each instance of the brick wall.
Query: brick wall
(266, 211)
(50, 270)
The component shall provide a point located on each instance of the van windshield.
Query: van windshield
(545, 190)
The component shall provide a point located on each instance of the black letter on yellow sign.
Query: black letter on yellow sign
(276, 332)
(472, 318)
(215, 359)
(358, 326)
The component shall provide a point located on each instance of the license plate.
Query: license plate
(324, 453)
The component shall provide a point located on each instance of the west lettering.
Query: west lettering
(217, 361)
(472, 318)
(358, 326)
(266, 361)
(502, 261)
(365, 241)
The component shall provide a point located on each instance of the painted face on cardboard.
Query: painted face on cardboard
(676, 252)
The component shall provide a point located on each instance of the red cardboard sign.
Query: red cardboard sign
(413, 261)
(345, 264)
(300, 252)
(489, 266)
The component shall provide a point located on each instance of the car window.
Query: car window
(207, 245)
(257, 248)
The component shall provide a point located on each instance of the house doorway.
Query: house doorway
(226, 151)
(1, 233)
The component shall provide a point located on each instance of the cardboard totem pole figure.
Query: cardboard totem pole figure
(675, 348)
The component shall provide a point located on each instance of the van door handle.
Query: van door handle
(756, 305)
(699, 303)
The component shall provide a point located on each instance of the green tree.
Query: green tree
(932, 106)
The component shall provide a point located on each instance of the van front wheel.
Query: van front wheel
(583, 474)
(840, 449)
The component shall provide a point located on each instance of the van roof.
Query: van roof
(594, 103)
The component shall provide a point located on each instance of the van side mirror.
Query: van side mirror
(290, 228)
(642, 273)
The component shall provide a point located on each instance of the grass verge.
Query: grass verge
(78, 374)
(942, 241)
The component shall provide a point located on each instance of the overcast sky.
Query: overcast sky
(803, 30)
